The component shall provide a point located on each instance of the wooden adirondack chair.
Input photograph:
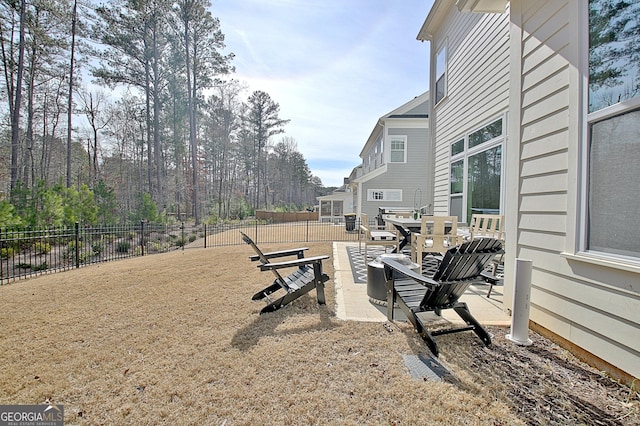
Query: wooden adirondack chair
(460, 267)
(373, 236)
(437, 235)
(307, 275)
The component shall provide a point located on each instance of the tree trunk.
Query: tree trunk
(70, 103)
(15, 118)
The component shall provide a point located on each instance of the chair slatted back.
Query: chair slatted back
(487, 225)
(441, 230)
(460, 266)
(262, 257)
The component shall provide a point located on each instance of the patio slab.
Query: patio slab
(352, 301)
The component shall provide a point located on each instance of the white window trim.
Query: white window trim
(443, 46)
(386, 195)
(580, 251)
(466, 153)
(391, 138)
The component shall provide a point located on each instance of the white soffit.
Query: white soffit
(486, 6)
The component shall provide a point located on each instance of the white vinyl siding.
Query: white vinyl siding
(594, 305)
(477, 85)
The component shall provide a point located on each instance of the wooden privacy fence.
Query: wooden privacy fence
(281, 217)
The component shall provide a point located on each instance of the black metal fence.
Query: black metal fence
(29, 252)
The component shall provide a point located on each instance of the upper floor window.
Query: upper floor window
(441, 75)
(398, 149)
(612, 148)
(384, 195)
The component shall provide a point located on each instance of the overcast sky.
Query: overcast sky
(334, 66)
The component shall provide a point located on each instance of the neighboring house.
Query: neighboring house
(333, 207)
(393, 173)
(513, 109)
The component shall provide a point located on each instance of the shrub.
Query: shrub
(156, 247)
(6, 252)
(23, 265)
(123, 247)
(41, 267)
(192, 238)
(41, 247)
(97, 248)
(70, 251)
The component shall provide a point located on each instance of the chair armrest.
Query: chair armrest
(399, 267)
(282, 253)
(292, 263)
(489, 278)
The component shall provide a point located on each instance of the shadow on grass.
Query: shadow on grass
(305, 311)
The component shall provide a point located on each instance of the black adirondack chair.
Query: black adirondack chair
(307, 275)
(415, 293)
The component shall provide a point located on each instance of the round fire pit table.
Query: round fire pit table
(376, 286)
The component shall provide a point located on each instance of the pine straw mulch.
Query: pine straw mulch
(174, 338)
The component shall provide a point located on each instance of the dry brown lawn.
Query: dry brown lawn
(175, 339)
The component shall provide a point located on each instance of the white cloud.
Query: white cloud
(333, 66)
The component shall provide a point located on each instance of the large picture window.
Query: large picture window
(612, 144)
(476, 172)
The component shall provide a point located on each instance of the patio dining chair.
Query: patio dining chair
(437, 235)
(492, 226)
(373, 235)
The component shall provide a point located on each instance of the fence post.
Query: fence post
(205, 235)
(77, 245)
(307, 229)
(182, 235)
(142, 235)
(256, 229)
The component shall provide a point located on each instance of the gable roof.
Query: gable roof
(417, 107)
(441, 7)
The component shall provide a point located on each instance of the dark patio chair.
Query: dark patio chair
(307, 275)
(415, 293)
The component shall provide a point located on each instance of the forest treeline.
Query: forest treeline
(134, 102)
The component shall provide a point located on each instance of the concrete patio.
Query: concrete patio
(352, 301)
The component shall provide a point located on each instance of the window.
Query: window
(337, 208)
(486, 133)
(441, 75)
(457, 188)
(457, 147)
(384, 195)
(475, 172)
(612, 147)
(398, 149)
(325, 208)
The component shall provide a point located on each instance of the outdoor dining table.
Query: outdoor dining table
(405, 226)
(408, 225)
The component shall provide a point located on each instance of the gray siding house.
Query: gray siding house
(516, 75)
(393, 172)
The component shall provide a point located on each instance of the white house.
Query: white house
(334, 206)
(515, 113)
(392, 173)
